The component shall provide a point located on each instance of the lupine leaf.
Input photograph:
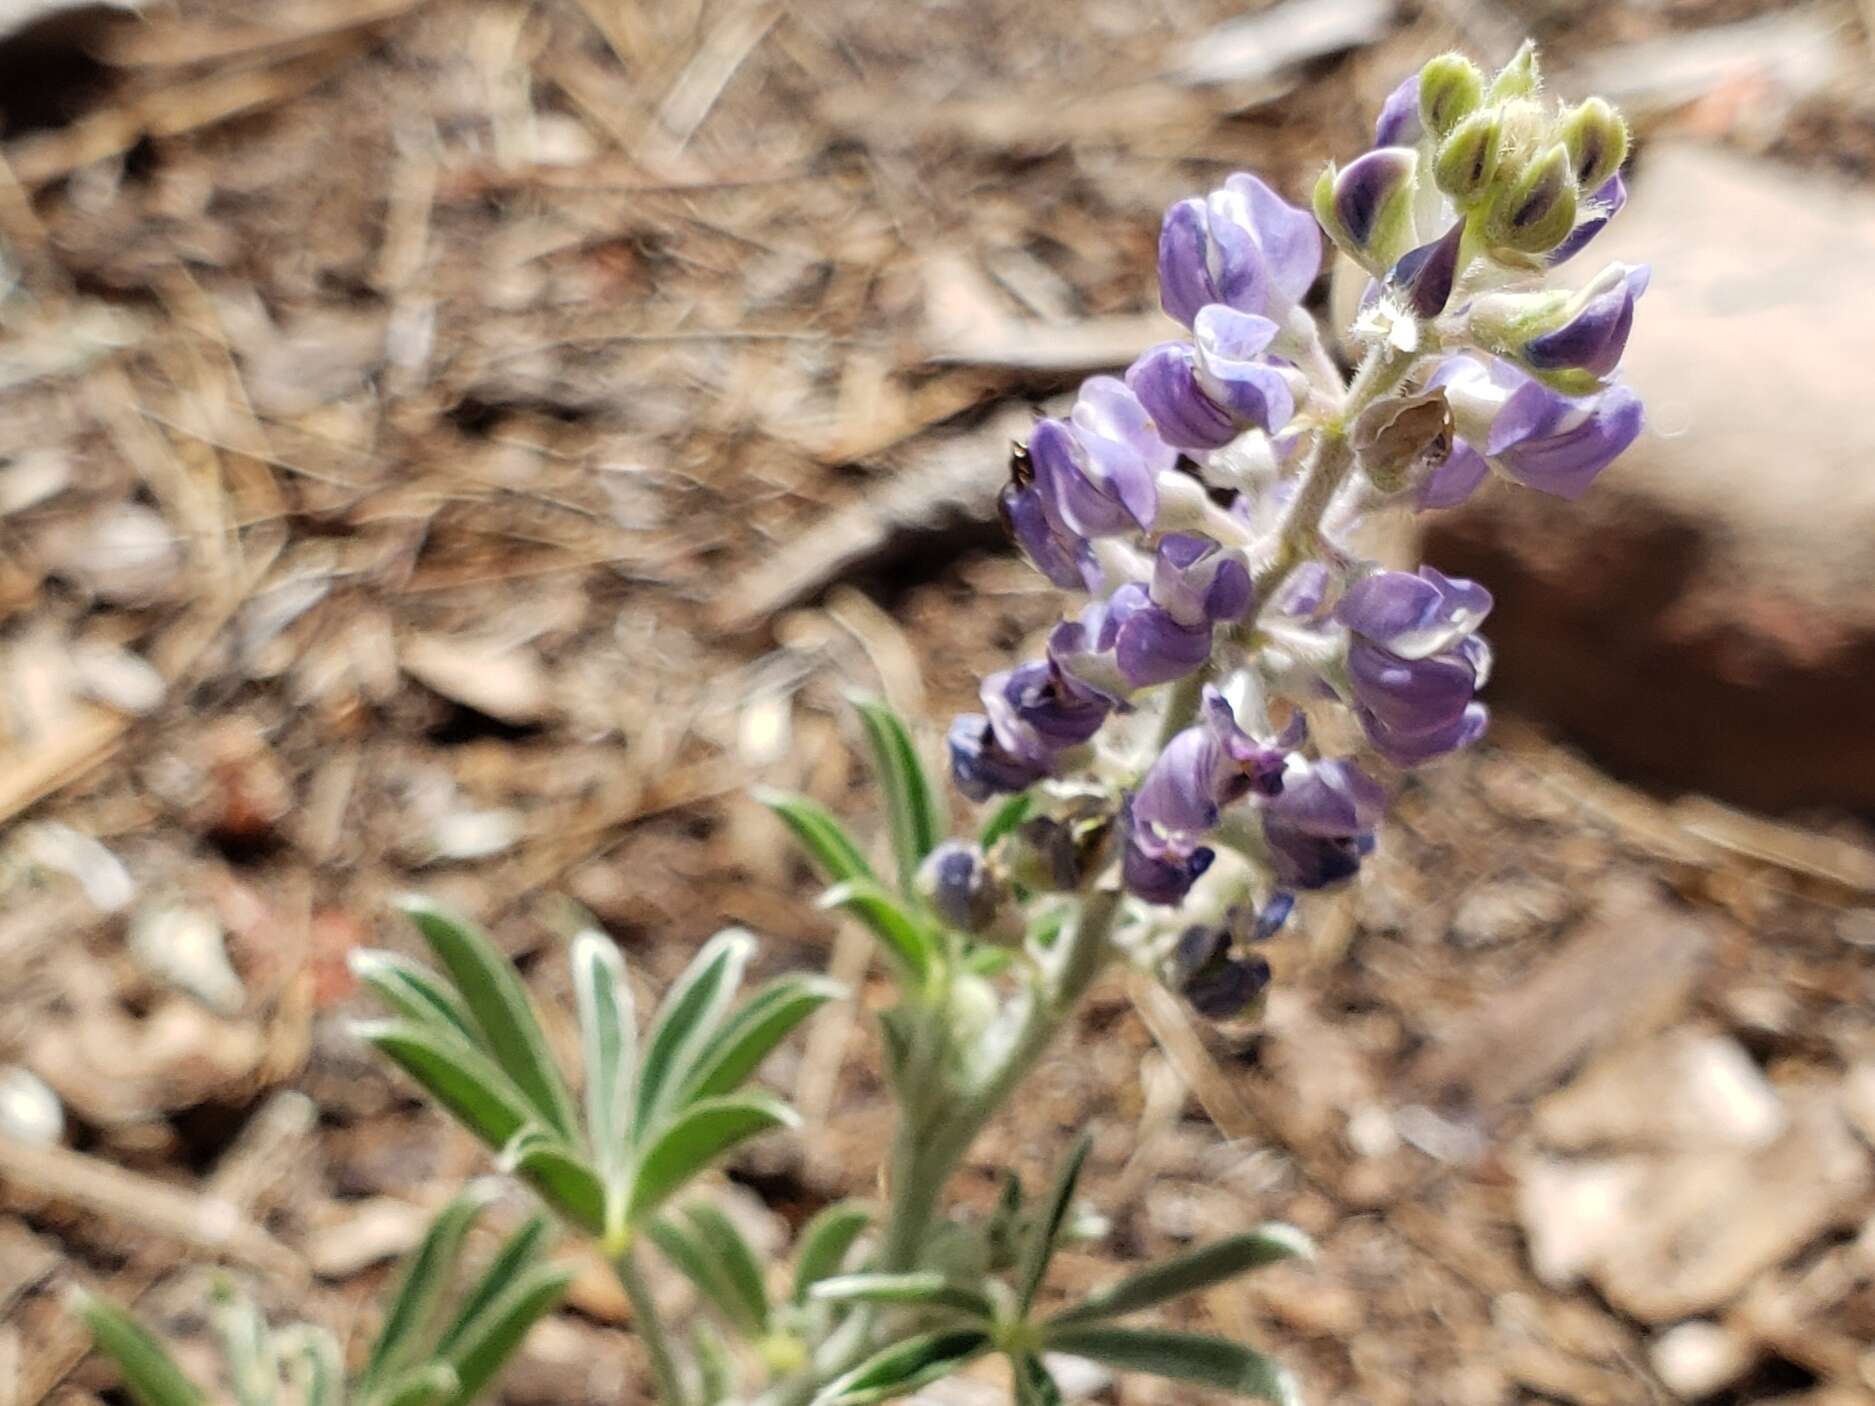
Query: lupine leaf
(719, 1236)
(683, 1247)
(491, 1339)
(826, 841)
(762, 1022)
(427, 1384)
(520, 1252)
(421, 1285)
(686, 1022)
(916, 819)
(314, 1365)
(413, 990)
(498, 1002)
(1047, 1227)
(921, 1288)
(463, 1080)
(905, 1366)
(1004, 819)
(906, 939)
(150, 1374)
(695, 1138)
(716, 1371)
(566, 1180)
(1188, 1273)
(825, 1243)
(609, 1046)
(247, 1348)
(1035, 1384)
(1185, 1357)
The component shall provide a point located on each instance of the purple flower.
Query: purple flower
(1415, 663)
(1423, 277)
(1033, 714)
(1594, 328)
(1167, 385)
(1603, 206)
(1052, 547)
(1322, 824)
(981, 766)
(1398, 123)
(1534, 435)
(1203, 769)
(1155, 870)
(1151, 634)
(1452, 482)
(1096, 470)
(1242, 246)
(1203, 396)
(1219, 984)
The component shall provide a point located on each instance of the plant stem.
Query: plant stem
(650, 1329)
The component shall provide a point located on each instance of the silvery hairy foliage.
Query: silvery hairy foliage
(1208, 739)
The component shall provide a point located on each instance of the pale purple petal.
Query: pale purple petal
(1184, 416)
(1398, 123)
(1290, 239)
(1607, 203)
(1455, 480)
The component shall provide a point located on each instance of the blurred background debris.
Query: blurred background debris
(461, 444)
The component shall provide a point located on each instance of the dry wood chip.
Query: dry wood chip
(507, 684)
(1262, 46)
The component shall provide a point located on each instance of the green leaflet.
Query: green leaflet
(825, 1243)
(920, 1289)
(413, 991)
(1190, 1272)
(760, 1024)
(425, 1279)
(1185, 1357)
(609, 1047)
(908, 942)
(826, 841)
(691, 1011)
(683, 1247)
(913, 812)
(463, 1080)
(491, 1339)
(695, 1138)
(520, 1252)
(150, 1373)
(905, 1366)
(1047, 1228)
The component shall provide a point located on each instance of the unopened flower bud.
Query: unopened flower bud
(1450, 89)
(1537, 211)
(1519, 78)
(1573, 340)
(1466, 162)
(1400, 439)
(1219, 984)
(962, 889)
(1597, 140)
(1367, 206)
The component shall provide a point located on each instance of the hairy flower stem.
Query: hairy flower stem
(650, 1330)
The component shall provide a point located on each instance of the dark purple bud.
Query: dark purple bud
(956, 880)
(1424, 276)
(1219, 985)
(1367, 205)
(1163, 878)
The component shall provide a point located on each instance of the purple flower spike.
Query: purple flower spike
(1597, 212)
(1241, 245)
(1229, 344)
(1596, 332)
(1414, 661)
(1322, 824)
(1541, 438)
(1398, 123)
(1184, 415)
(1202, 770)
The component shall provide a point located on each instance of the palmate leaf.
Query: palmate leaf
(1185, 1357)
(905, 1366)
(826, 1241)
(462, 1079)
(150, 1374)
(919, 1289)
(697, 1137)
(688, 1018)
(1046, 1229)
(498, 1003)
(1190, 1272)
(908, 941)
(913, 811)
(608, 1045)
(826, 841)
(416, 1306)
(752, 1032)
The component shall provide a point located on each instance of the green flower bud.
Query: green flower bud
(1466, 163)
(1450, 89)
(1597, 139)
(1519, 78)
(1536, 211)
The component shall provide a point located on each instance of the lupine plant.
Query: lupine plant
(1209, 737)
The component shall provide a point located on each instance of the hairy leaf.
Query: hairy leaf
(498, 1003)
(413, 991)
(519, 1253)
(1185, 1357)
(825, 1243)
(686, 1021)
(421, 1286)
(683, 1247)
(907, 940)
(913, 812)
(762, 1022)
(922, 1289)
(608, 1041)
(492, 1338)
(824, 838)
(1047, 1227)
(1188, 1273)
(463, 1080)
(566, 1180)
(905, 1366)
(741, 1269)
(150, 1373)
(697, 1137)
